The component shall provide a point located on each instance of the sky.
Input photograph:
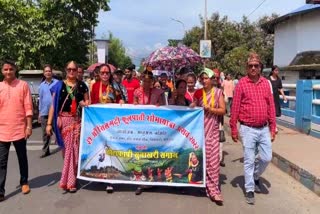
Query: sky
(145, 25)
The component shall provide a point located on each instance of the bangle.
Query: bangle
(48, 124)
(29, 128)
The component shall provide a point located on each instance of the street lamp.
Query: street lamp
(183, 26)
(184, 29)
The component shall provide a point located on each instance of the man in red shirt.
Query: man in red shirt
(253, 107)
(130, 83)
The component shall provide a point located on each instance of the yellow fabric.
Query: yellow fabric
(204, 98)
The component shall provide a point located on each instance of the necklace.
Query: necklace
(103, 95)
(204, 98)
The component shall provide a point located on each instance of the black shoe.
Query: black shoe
(138, 191)
(222, 164)
(257, 186)
(2, 198)
(45, 155)
(109, 189)
(250, 197)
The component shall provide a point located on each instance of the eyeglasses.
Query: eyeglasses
(72, 69)
(104, 73)
(254, 65)
(8, 69)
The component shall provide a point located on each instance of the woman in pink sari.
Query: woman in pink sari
(147, 95)
(211, 99)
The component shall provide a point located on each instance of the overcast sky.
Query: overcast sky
(144, 25)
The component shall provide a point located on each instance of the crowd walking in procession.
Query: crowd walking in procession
(249, 102)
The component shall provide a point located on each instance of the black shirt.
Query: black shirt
(79, 91)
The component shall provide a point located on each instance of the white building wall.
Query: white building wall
(290, 77)
(298, 34)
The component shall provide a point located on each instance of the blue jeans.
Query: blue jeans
(257, 150)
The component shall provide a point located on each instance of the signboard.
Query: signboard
(205, 48)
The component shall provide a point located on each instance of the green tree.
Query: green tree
(174, 42)
(232, 41)
(45, 31)
(117, 53)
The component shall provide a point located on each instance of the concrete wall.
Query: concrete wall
(291, 77)
(298, 34)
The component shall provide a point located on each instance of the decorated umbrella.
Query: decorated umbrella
(159, 72)
(172, 58)
(95, 65)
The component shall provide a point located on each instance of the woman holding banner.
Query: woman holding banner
(147, 95)
(178, 95)
(68, 98)
(211, 99)
(103, 90)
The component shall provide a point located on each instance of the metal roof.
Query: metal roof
(307, 8)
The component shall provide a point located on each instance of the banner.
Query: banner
(145, 145)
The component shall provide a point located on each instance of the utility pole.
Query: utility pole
(205, 20)
(205, 28)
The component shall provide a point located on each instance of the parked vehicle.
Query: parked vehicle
(34, 78)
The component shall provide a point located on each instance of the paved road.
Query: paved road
(282, 194)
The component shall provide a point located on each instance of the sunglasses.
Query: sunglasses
(72, 69)
(104, 73)
(254, 65)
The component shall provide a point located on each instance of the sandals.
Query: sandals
(138, 191)
(73, 190)
(218, 199)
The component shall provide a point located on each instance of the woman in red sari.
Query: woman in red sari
(68, 98)
(103, 90)
(211, 99)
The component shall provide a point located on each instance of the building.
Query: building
(296, 42)
(102, 50)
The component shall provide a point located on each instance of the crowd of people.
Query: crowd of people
(249, 101)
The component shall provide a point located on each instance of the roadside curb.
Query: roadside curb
(305, 177)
